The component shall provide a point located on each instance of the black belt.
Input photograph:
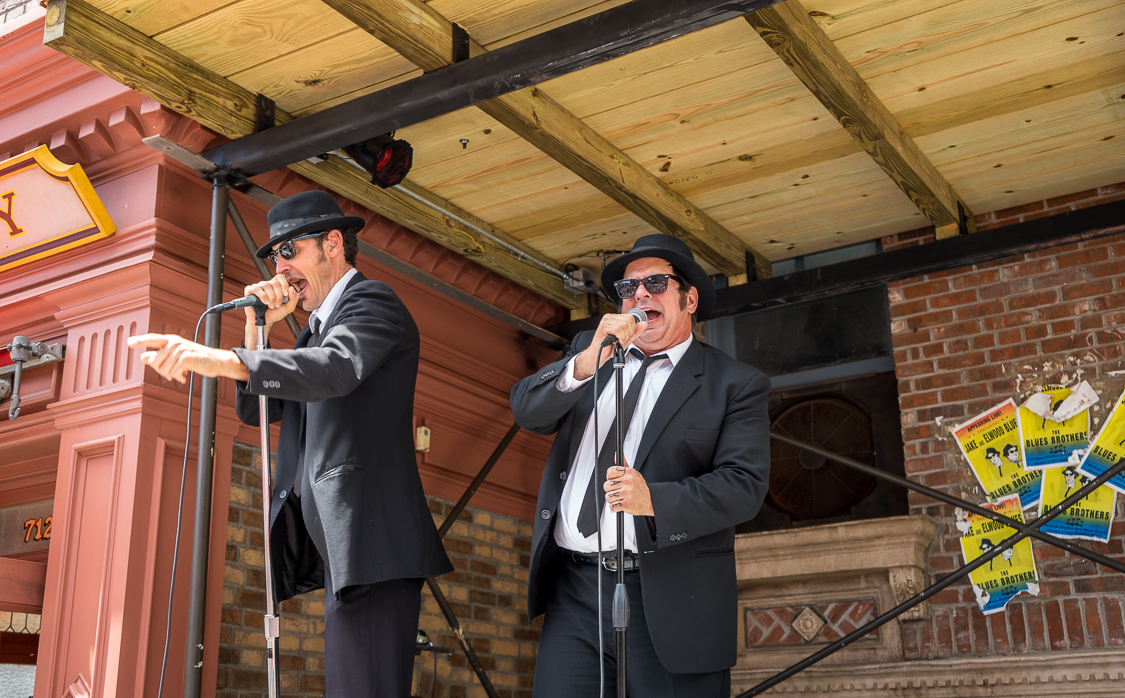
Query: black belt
(609, 560)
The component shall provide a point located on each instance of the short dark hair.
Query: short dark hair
(1011, 447)
(351, 244)
(990, 452)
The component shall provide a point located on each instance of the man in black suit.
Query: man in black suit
(696, 464)
(348, 513)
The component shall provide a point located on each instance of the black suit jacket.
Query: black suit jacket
(363, 505)
(705, 457)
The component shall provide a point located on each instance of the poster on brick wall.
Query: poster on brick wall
(991, 444)
(1108, 448)
(1013, 571)
(1047, 441)
(1088, 519)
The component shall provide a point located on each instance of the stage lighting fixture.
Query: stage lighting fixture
(387, 159)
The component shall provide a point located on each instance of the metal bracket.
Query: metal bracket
(460, 43)
(267, 114)
(25, 354)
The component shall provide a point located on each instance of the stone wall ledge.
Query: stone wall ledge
(1092, 674)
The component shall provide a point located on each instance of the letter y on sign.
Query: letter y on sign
(6, 214)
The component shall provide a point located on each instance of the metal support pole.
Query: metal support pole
(477, 481)
(620, 595)
(950, 499)
(272, 622)
(965, 570)
(447, 524)
(193, 656)
(482, 675)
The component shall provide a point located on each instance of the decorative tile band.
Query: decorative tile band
(815, 623)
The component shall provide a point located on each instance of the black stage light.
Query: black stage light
(387, 159)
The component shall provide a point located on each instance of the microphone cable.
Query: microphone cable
(598, 517)
(179, 515)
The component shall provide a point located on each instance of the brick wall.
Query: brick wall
(967, 339)
(487, 591)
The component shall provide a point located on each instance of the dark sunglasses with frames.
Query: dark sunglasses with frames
(286, 249)
(655, 284)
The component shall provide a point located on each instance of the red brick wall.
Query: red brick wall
(967, 339)
(487, 591)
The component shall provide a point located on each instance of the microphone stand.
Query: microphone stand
(620, 595)
(272, 622)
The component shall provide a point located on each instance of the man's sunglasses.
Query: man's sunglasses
(286, 249)
(655, 284)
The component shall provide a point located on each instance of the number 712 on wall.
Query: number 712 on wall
(41, 527)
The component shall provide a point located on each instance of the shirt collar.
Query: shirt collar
(326, 308)
(674, 353)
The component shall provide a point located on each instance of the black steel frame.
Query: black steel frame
(1022, 531)
(579, 44)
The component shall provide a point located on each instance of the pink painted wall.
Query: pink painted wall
(105, 437)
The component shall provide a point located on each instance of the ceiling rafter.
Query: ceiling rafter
(422, 35)
(78, 30)
(788, 29)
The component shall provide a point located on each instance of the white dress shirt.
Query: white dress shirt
(567, 534)
(324, 312)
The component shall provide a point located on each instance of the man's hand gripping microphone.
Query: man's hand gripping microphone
(638, 316)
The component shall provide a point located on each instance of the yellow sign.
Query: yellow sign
(1010, 572)
(46, 207)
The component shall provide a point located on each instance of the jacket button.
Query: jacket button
(547, 375)
(283, 493)
(545, 514)
(562, 475)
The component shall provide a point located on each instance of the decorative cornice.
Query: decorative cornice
(1052, 674)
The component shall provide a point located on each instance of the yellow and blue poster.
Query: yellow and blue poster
(991, 444)
(1088, 519)
(1108, 448)
(1047, 443)
(998, 581)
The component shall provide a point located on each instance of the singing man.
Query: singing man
(696, 463)
(348, 513)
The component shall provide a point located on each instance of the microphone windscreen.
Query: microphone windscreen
(639, 315)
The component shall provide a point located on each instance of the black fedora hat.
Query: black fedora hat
(307, 212)
(675, 252)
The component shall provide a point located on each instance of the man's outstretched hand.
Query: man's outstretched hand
(173, 357)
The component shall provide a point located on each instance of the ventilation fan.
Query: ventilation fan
(806, 486)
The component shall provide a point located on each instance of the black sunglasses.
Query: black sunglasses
(286, 249)
(655, 284)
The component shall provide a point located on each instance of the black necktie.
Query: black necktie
(587, 520)
(298, 482)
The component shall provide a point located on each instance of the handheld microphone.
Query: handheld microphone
(250, 301)
(638, 316)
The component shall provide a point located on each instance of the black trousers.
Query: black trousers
(567, 666)
(370, 631)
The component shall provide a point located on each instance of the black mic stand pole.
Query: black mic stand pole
(272, 622)
(620, 595)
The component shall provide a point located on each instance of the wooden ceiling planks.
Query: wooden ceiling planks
(1032, 85)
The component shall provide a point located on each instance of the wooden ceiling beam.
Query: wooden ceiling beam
(797, 39)
(81, 31)
(422, 35)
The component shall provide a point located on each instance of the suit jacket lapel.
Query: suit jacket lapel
(681, 384)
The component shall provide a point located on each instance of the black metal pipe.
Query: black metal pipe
(578, 44)
(205, 460)
(955, 501)
(477, 481)
(482, 675)
(244, 233)
(945, 582)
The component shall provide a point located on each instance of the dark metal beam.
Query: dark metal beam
(911, 262)
(579, 44)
